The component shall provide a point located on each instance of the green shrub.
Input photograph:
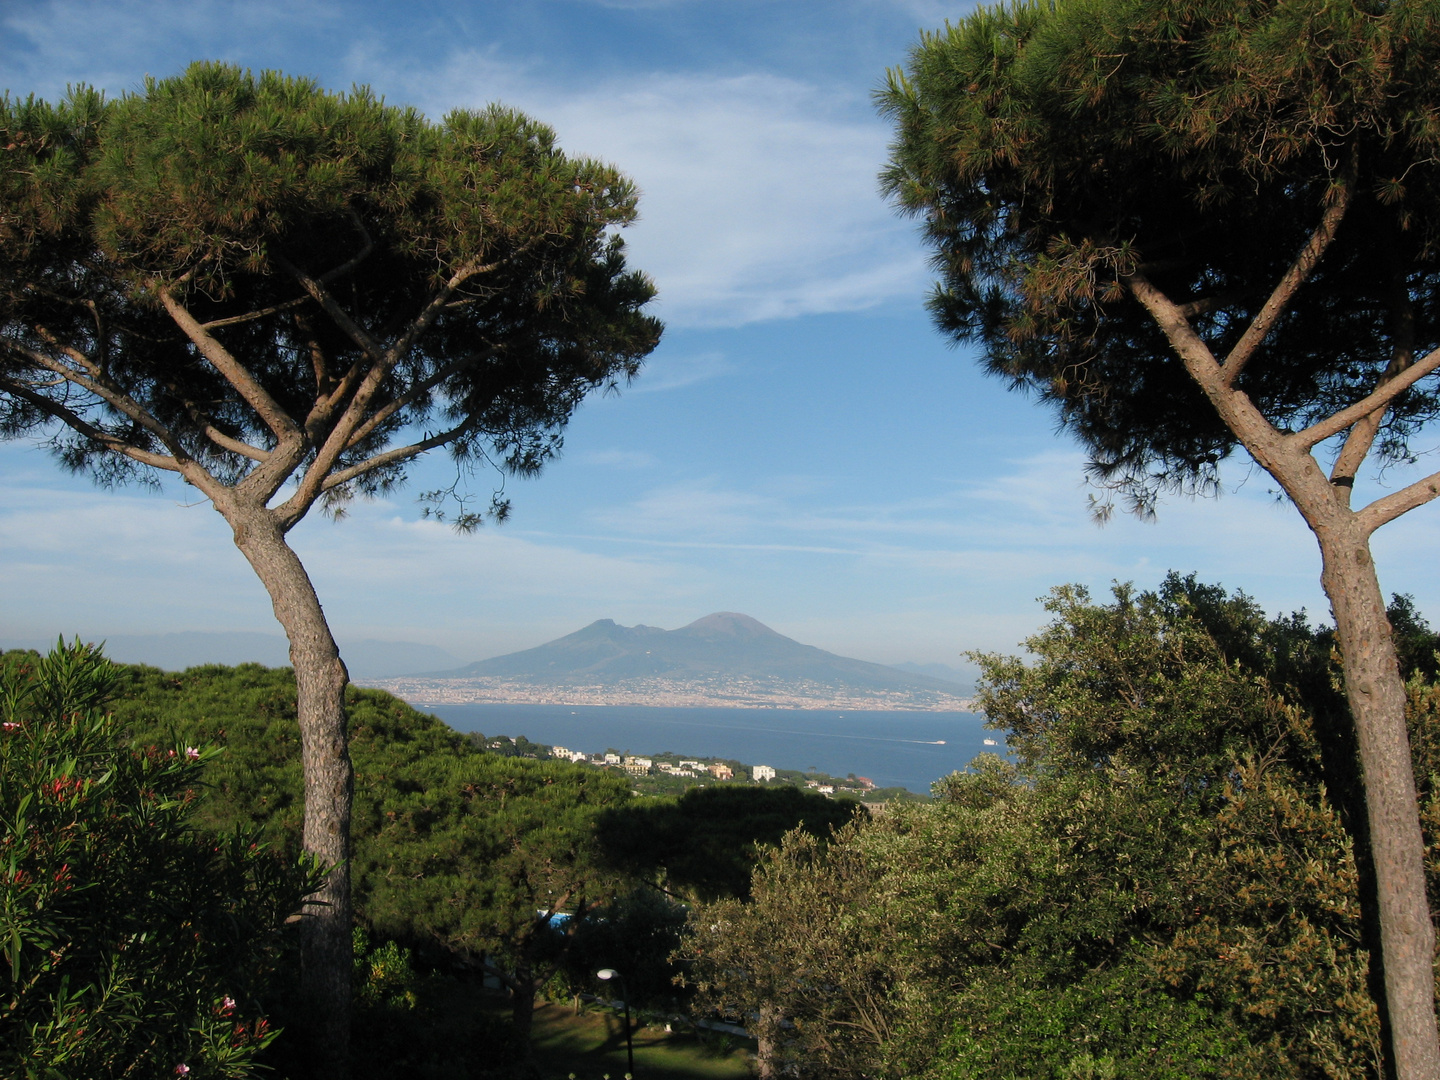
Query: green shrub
(132, 945)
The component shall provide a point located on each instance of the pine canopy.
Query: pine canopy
(1054, 149)
(274, 282)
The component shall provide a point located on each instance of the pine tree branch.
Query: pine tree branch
(1387, 509)
(104, 390)
(1300, 270)
(1402, 354)
(251, 316)
(1377, 399)
(419, 390)
(79, 424)
(343, 435)
(256, 396)
(321, 295)
(389, 457)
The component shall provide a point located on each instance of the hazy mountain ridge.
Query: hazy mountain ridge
(724, 644)
(724, 659)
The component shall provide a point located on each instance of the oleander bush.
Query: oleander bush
(132, 943)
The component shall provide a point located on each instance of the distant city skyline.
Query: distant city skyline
(803, 447)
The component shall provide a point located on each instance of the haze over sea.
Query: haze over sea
(894, 749)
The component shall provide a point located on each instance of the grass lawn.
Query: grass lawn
(591, 1044)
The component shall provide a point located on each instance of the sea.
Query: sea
(894, 749)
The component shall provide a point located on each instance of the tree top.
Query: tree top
(252, 277)
(1056, 150)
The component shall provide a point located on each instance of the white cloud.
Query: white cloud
(759, 192)
(102, 563)
(617, 459)
(673, 372)
(759, 197)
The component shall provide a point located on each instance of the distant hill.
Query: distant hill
(724, 658)
(367, 659)
(964, 679)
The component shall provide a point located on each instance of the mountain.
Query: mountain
(725, 658)
(964, 679)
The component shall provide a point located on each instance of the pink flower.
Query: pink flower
(229, 1005)
(192, 753)
(182, 1069)
(11, 725)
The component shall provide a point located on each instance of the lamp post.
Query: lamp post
(606, 974)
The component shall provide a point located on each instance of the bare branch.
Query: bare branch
(235, 373)
(79, 424)
(366, 247)
(343, 435)
(295, 507)
(1380, 397)
(253, 315)
(440, 301)
(1266, 445)
(1296, 276)
(112, 395)
(1199, 361)
(390, 457)
(226, 442)
(69, 350)
(379, 416)
(383, 362)
(321, 295)
(326, 404)
(1399, 502)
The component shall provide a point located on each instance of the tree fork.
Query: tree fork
(320, 681)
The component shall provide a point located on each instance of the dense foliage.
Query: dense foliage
(461, 852)
(1161, 884)
(133, 944)
(456, 849)
(704, 844)
(1056, 150)
(228, 275)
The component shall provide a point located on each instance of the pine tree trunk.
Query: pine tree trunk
(320, 680)
(522, 1010)
(1376, 693)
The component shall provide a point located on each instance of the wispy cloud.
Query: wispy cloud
(673, 372)
(759, 195)
(617, 459)
(931, 14)
(107, 563)
(115, 44)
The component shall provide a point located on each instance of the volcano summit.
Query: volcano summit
(725, 659)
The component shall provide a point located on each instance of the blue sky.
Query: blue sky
(803, 447)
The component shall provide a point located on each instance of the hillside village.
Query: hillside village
(668, 773)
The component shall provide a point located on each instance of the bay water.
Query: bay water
(894, 749)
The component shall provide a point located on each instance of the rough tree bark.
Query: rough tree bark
(767, 1044)
(1376, 694)
(320, 680)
